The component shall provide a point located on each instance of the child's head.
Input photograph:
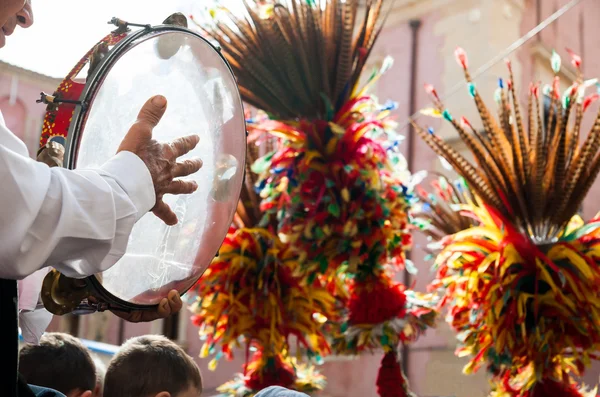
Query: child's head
(60, 362)
(152, 366)
(100, 374)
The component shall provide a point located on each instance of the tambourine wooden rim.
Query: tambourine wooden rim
(52, 294)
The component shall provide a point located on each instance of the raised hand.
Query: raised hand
(161, 158)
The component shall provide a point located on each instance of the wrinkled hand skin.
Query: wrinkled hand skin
(161, 158)
(53, 154)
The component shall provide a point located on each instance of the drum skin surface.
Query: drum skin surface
(202, 99)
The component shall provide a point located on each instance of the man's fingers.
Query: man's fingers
(152, 111)
(148, 118)
(164, 309)
(181, 187)
(175, 302)
(186, 167)
(140, 132)
(181, 146)
(165, 213)
(170, 305)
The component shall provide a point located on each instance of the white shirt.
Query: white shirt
(75, 221)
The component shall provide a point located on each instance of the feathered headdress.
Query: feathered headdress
(335, 182)
(437, 213)
(522, 287)
(534, 170)
(330, 182)
(251, 293)
(297, 58)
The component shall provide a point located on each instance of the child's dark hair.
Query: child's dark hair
(60, 362)
(148, 365)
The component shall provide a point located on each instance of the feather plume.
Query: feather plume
(535, 173)
(438, 212)
(287, 60)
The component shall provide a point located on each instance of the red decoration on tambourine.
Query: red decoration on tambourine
(59, 114)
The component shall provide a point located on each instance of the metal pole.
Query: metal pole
(414, 24)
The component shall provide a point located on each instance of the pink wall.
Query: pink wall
(25, 116)
(15, 115)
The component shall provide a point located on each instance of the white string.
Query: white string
(501, 56)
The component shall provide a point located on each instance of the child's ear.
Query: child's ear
(163, 394)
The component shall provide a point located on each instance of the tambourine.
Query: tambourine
(90, 117)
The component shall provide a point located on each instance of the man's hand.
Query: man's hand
(161, 158)
(167, 306)
(53, 154)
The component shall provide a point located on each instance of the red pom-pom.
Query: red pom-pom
(461, 57)
(391, 382)
(376, 303)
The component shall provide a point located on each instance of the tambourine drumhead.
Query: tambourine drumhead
(202, 99)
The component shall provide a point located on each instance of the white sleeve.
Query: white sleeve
(76, 221)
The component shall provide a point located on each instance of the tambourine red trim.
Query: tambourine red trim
(59, 115)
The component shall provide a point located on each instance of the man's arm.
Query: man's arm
(77, 221)
(80, 221)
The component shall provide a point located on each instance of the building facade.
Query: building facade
(19, 90)
(421, 36)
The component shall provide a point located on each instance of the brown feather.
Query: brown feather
(519, 133)
(536, 175)
(285, 62)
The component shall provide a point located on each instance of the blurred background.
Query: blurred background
(421, 36)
